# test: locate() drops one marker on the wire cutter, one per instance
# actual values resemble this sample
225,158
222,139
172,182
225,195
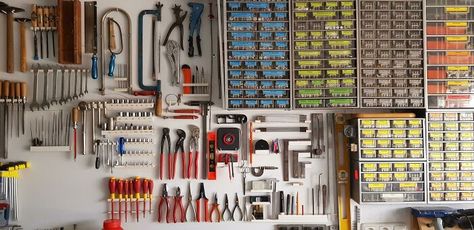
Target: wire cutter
215,208
237,208
179,147
164,200
193,150
226,209
178,23
178,205
189,206
195,27
201,198
165,139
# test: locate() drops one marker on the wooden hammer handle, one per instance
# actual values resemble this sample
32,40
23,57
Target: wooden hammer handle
10,54
23,65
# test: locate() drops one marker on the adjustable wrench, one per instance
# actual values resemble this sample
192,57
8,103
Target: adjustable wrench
75,85
63,80
55,77
45,103
34,104
69,98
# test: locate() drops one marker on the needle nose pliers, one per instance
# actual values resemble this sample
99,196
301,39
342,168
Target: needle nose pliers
189,206
178,23
215,208
165,139
238,209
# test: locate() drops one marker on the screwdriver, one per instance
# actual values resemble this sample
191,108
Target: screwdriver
18,97
150,190
145,196
112,195
12,98
137,185
23,91
126,198
75,119
120,192
130,186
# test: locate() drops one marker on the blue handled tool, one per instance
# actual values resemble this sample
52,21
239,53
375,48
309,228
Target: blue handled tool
195,27
121,148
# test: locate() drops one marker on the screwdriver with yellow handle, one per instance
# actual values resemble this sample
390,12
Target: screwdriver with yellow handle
136,187
150,192
120,192
112,195
145,196
75,119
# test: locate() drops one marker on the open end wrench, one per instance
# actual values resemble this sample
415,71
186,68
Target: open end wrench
63,80
54,101
75,97
87,78
69,98
83,108
81,92
34,104
45,104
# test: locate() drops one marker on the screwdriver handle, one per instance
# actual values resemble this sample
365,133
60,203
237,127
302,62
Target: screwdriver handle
46,16
150,187
145,189
186,111
75,115
39,13
23,90
94,71
120,188
112,187
1,88
17,90
6,89
125,185
52,17
12,90
158,105
137,185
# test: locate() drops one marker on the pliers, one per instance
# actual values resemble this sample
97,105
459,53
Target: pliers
237,208
179,146
178,205
215,208
189,206
195,26
226,209
202,196
165,139
164,200
193,150
178,23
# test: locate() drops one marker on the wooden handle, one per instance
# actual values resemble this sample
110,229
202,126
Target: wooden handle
52,16
1,88
12,90
6,89
17,89
23,65
385,115
23,90
75,115
112,44
46,16
158,105
34,16
39,12
10,54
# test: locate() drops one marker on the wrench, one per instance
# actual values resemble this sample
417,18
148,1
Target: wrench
55,77
45,103
81,92
63,80
34,104
69,98
75,85
85,90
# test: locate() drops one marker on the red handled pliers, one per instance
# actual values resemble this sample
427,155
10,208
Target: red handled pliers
202,196
215,208
178,205
165,139
179,147
164,201
193,150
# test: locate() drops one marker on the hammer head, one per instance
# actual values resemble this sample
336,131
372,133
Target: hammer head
22,20
10,9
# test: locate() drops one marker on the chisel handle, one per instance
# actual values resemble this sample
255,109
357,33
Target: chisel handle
6,89
159,105
17,90
34,17
23,90
12,91
94,70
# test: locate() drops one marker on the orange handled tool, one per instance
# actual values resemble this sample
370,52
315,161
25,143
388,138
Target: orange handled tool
126,198
202,196
112,195
120,193
145,196
136,186
150,192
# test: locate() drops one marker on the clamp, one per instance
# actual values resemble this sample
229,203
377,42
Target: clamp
178,23
164,201
165,139
179,147
195,27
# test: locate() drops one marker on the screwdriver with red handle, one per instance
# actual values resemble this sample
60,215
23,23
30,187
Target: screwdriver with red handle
145,196
120,193
126,198
150,192
130,186
136,186
112,195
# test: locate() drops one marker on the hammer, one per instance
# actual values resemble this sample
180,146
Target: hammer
9,11
23,21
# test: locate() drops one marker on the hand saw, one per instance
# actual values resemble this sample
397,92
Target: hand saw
90,34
